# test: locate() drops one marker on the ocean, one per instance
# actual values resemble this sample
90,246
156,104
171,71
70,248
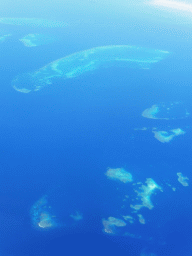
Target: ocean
95,128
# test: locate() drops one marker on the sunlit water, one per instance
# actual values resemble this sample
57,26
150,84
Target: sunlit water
95,128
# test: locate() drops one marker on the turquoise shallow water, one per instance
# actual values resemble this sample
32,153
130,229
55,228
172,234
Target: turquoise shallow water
95,128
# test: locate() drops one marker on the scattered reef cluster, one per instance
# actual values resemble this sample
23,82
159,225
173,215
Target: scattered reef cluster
167,112
142,196
135,204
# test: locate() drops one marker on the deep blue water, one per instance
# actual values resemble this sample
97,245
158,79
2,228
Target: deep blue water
60,140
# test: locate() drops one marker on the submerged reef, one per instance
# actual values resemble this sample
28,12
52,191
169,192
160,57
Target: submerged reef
32,40
42,216
182,179
111,223
4,37
141,218
145,192
119,174
128,218
81,62
164,136
166,111
129,212
33,22
77,216
151,112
